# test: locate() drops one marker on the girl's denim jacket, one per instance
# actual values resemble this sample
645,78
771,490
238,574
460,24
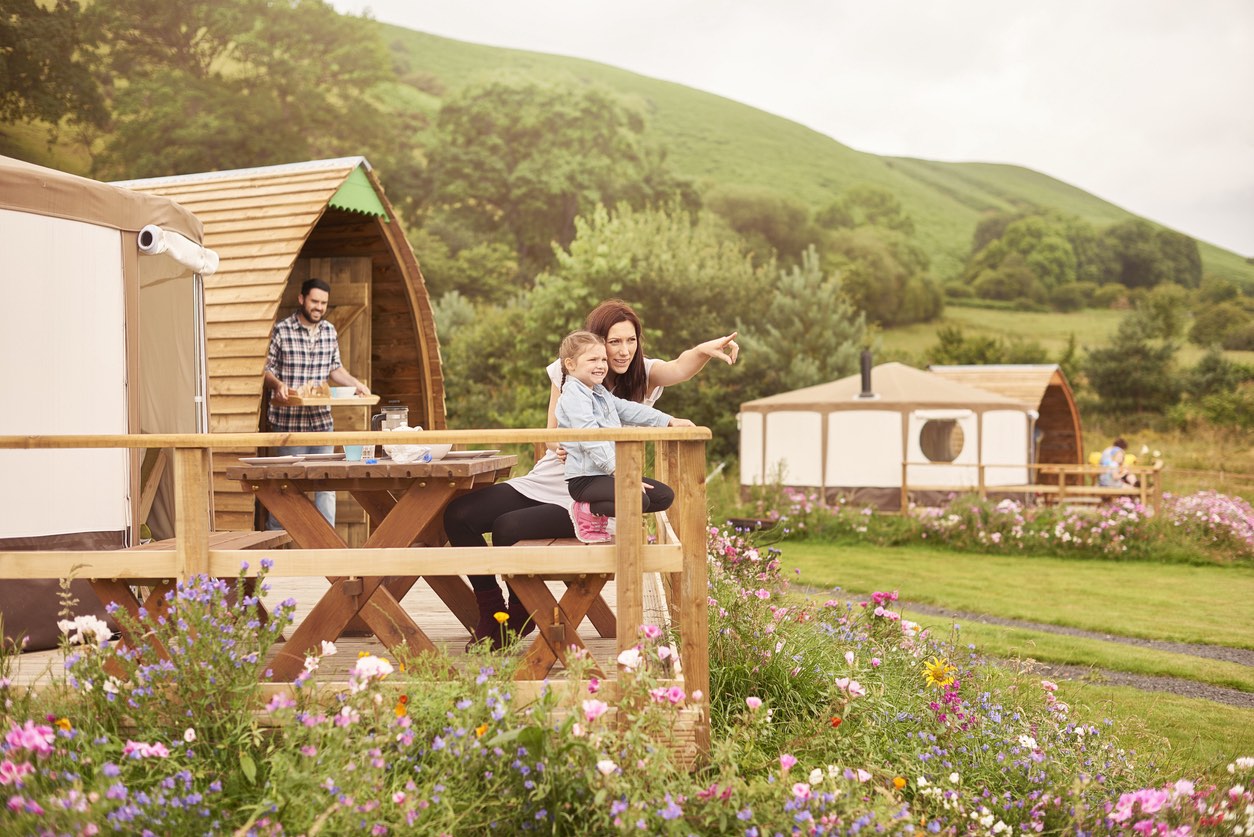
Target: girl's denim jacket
582,407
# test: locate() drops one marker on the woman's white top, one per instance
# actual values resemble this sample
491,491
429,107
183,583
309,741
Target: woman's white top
546,483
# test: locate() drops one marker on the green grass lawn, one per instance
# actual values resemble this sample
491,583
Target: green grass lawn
1176,603
1154,601
1052,330
1190,737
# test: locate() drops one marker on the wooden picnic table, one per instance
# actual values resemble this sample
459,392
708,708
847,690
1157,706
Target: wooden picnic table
405,503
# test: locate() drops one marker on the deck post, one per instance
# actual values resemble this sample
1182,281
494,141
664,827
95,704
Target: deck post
694,593
628,474
191,510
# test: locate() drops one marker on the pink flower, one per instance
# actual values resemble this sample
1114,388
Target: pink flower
801,790
11,773
754,703
675,695
143,750
651,631
786,761
594,686
849,657
875,662
36,738
593,709
281,700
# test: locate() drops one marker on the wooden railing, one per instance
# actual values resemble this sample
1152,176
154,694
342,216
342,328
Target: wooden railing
1053,482
679,553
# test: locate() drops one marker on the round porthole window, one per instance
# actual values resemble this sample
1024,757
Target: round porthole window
941,440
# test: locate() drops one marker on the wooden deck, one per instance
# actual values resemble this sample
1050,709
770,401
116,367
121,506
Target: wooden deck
40,668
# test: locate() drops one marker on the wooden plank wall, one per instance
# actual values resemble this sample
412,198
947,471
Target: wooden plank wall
260,222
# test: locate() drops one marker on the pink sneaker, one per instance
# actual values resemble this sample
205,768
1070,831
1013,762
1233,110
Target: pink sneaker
589,527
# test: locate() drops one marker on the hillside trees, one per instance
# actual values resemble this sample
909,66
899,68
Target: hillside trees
868,238
687,278
517,161
773,225
1029,259
42,73
1142,255
809,333
1135,372
206,86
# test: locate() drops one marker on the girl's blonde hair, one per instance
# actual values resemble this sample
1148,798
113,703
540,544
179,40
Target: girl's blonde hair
575,344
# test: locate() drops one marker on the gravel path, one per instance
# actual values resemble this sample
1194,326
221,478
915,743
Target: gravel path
1171,685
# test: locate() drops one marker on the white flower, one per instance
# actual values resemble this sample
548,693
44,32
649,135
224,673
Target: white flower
110,686
816,776
80,628
1027,741
955,778
922,782
189,735
630,659
328,648
368,668
606,767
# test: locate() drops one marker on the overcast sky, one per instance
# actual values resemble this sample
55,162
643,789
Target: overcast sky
1146,103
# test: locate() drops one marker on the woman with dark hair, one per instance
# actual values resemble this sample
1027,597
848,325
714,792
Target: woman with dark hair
537,505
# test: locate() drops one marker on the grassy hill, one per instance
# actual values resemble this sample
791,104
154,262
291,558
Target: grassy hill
719,141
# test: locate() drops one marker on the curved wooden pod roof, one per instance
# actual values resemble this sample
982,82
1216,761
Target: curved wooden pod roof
1040,386
267,225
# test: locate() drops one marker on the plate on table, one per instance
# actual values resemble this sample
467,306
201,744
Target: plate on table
470,454
322,457
273,460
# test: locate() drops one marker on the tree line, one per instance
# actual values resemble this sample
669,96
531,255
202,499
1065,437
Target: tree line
527,202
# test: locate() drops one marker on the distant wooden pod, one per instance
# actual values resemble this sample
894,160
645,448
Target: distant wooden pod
274,227
1040,386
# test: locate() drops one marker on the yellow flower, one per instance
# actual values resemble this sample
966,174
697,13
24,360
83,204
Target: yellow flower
481,730
402,706
938,672
899,782
501,617
64,724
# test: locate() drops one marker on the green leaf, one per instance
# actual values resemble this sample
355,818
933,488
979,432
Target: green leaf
249,767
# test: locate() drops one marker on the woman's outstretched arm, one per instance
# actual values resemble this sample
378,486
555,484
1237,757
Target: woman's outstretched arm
693,360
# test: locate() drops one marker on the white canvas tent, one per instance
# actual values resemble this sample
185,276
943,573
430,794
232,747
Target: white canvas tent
838,440
104,335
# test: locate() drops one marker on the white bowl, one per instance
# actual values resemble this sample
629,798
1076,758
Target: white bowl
343,392
438,451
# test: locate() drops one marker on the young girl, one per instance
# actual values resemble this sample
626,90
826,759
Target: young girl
585,402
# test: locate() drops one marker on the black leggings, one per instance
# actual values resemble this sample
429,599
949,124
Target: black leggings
598,493
508,515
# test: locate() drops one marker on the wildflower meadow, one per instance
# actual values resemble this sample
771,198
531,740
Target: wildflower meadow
828,717
1205,526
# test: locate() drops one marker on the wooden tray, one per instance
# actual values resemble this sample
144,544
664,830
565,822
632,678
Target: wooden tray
328,401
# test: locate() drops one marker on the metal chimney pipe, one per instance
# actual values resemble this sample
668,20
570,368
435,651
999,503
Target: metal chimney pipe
866,375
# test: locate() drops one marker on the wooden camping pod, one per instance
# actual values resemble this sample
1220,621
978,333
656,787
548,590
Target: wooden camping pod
1039,386
272,228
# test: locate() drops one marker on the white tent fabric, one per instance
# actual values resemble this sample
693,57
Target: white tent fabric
101,339
66,379
827,437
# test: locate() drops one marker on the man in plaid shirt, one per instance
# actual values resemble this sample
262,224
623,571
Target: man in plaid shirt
305,349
